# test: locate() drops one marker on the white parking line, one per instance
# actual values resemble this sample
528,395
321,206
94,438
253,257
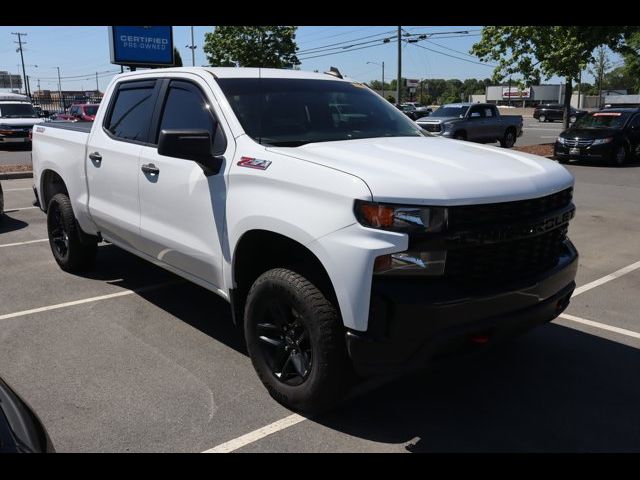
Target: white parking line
87,300
607,278
18,209
291,420
24,243
258,434
603,326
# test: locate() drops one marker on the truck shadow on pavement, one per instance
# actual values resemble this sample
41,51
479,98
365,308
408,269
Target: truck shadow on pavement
553,390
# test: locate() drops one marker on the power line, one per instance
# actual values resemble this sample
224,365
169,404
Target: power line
336,35
337,53
344,42
453,56
453,50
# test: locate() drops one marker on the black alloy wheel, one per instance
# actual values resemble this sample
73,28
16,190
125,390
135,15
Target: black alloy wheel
58,235
285,343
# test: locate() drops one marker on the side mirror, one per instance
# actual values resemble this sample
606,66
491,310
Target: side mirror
192,145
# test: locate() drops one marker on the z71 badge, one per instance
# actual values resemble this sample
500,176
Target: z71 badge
254,163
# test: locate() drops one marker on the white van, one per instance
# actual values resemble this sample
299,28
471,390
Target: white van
17,118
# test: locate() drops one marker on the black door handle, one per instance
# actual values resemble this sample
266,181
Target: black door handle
95,156
150,168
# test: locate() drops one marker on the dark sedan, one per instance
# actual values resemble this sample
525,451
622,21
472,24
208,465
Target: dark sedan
549,112
611,135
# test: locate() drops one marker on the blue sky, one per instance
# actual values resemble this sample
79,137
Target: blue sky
83,50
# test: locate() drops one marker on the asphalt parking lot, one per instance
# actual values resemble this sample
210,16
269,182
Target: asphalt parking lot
131,358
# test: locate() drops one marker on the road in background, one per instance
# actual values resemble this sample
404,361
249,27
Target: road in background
14,156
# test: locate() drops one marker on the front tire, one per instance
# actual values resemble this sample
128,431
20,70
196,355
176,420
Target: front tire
73,250
460,136
296,341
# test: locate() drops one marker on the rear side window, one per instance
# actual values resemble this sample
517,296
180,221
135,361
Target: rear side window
131,112
186,109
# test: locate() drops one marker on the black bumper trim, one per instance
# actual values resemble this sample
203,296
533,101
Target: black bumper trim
412,323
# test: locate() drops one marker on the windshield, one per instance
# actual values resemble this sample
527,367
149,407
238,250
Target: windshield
17,110
602,120
291,112
450,111
90,109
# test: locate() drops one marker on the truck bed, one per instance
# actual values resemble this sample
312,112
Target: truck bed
75,126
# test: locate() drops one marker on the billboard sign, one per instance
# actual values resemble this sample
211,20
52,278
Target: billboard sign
141,46
412,83
515,92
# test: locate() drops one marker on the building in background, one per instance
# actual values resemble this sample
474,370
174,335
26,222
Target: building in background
10,81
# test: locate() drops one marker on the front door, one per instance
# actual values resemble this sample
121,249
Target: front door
182,208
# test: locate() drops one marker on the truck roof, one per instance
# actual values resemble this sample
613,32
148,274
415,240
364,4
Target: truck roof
246,72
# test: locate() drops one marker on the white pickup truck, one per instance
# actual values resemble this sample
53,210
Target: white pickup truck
345,239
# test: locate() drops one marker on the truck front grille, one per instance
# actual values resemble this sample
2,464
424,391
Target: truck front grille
504,261
431,127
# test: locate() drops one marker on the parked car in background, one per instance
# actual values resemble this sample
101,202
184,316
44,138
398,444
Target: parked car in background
62,117
550,112
476,122
84,112
612,135
411,111
420,108
21,431
17,118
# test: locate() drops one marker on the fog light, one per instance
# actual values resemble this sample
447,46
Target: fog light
426,263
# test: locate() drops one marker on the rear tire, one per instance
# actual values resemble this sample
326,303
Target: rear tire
620,156
73,250
296,342
542,118
509,139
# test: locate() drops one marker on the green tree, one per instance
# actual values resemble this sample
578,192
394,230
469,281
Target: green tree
620,79
631,56
599,68
252,46
536,51
177,59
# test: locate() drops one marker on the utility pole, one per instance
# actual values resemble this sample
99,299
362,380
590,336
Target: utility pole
60,90
399,79
97,85
579,87
28,87
19,42
193,49
383,80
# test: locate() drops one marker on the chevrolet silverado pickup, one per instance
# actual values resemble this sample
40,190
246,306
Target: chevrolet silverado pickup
347,244
475,122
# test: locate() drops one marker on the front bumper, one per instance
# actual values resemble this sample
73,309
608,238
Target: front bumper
415,321
593,152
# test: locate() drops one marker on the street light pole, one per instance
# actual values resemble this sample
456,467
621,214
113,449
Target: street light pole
375,63
193,50
399,79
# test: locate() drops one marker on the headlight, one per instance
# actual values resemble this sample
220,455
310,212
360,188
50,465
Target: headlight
447,126
561,140
602,141
401,218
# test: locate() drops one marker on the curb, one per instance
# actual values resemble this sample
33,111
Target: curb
15,175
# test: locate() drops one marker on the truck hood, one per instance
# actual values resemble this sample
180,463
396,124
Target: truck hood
21,122
437,171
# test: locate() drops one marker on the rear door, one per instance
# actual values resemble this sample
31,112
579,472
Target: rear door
476,124
113,153
183,208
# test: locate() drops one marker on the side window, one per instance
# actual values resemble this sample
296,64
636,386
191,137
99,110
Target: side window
488,112
131,112
476,112
186,108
